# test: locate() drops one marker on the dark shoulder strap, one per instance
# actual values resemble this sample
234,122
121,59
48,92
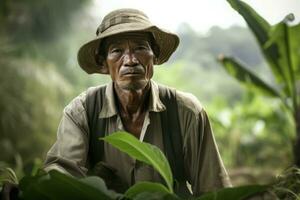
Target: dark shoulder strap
94,102
171,132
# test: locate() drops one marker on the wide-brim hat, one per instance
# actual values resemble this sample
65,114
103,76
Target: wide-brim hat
122,21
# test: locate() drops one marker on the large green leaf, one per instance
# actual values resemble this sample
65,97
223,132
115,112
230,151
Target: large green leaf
261,30
141,187
155,196
258,25
281,38
58,186
144,152
247,77
294,36
294,32
236,193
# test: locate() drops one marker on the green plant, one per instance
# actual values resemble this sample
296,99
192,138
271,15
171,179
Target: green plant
280,45
55,185
8,175
153,156
287,185
144,152
58,186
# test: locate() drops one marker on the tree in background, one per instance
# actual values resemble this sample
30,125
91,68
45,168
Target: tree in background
280,45
31,88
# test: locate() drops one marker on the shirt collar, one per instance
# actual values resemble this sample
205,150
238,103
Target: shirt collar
109,108
155,104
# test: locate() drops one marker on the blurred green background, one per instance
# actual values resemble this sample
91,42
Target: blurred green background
39,75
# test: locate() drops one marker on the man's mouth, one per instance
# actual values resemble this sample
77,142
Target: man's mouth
132,71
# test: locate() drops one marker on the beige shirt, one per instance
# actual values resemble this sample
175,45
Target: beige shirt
204,169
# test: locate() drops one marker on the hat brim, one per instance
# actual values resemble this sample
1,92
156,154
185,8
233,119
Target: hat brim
166,41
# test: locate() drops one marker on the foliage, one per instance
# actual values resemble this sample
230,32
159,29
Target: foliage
144,152
26,100
152,155
148,187
246,76
287,185
36,21
8,175
280,45
242,192
275,43
55,185
247,127
248,135
32,90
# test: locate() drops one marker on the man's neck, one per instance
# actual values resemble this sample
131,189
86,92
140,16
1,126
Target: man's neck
132,103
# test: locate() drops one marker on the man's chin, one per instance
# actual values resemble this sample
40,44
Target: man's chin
137,85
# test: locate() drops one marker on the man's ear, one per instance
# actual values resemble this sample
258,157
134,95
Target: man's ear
155,60
155,50
104,68
101,64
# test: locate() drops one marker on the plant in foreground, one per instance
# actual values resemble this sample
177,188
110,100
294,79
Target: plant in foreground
57,186
287,185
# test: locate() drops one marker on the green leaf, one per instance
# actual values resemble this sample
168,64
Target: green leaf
281,38
294,32
261,30
258,25
247,77
236,193
8,175
144,152
146,187
155,196
280,45
58,186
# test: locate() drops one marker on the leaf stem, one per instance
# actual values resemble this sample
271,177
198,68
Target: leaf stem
293,83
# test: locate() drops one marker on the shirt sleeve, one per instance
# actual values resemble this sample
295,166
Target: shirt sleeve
204,168
69,152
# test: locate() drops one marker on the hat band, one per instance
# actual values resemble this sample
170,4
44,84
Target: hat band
120,20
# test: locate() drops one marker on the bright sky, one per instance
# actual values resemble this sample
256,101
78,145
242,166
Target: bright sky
200,14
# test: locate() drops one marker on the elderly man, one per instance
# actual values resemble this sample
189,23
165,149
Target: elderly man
127,47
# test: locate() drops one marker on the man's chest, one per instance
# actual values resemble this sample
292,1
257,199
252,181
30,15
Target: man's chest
129,170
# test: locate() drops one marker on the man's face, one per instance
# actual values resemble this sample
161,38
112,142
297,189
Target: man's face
129,60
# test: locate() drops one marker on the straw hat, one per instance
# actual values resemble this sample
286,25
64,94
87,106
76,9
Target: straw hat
121,21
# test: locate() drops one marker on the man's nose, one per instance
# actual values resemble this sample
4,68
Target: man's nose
130,58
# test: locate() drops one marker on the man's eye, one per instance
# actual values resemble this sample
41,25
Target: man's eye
141,48
116,50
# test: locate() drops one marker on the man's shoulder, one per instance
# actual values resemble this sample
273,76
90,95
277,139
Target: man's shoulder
94,89
186,101
77,104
